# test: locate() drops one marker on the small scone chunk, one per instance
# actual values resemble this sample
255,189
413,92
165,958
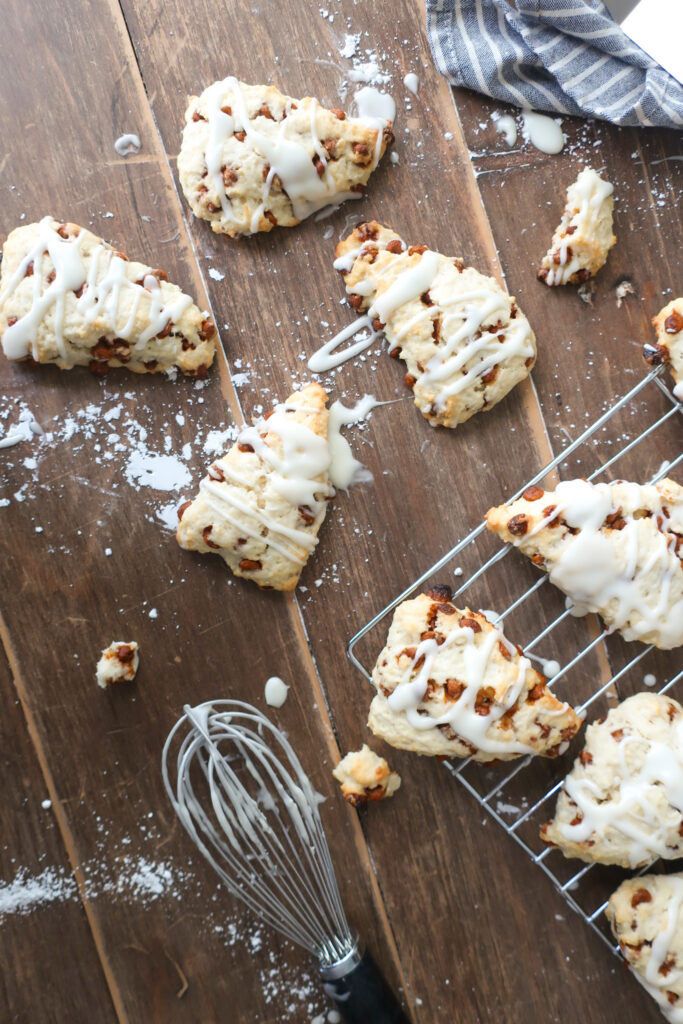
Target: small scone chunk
260,506
622,802
584,236
364,775
450,684
614,549
252,158
463,338
646,916
669,345
67,297
118,663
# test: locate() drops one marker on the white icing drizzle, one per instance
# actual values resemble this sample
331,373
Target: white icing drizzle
542,132
223,496
275,692
584,199
127,145
629,810
344,468
288,158
295,473
657,984
505,126
589,571
327,357
408,285
411,82
462,317
305,457
462,716
104,281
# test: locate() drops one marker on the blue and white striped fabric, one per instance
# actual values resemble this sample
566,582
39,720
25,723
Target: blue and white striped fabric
562,56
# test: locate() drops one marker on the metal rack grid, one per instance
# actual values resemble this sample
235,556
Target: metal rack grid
533,782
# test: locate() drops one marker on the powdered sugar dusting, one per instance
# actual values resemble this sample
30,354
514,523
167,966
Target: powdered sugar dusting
25,892
145,468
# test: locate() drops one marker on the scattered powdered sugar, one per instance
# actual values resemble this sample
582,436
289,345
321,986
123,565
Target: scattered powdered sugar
216,275
26,429
349,47
161,472
217,441
24,893
150,452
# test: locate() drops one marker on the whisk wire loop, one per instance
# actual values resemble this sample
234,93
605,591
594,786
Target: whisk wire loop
243,797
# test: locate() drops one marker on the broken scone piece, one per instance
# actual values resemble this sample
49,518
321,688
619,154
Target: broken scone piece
584,236
260,506
464,340
118,663
646,916
622,802
669,345
614,549
449,683
67,297
252,159
364,775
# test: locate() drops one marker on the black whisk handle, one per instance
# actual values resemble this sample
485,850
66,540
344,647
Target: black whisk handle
362,995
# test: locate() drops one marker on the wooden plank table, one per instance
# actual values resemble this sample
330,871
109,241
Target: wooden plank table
105,910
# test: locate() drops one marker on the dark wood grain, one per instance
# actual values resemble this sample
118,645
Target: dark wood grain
88,561
41,919
452,907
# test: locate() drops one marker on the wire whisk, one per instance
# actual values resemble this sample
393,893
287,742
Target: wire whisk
241,793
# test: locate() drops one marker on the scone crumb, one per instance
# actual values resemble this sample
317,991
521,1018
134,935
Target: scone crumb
584,236
364,775
118,663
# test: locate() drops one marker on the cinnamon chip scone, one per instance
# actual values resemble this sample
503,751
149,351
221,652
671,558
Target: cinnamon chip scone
614,549
584,236
449,683
646,916
67,297
118,663
261,505
669,345
622,802
252,158
364,775
463,338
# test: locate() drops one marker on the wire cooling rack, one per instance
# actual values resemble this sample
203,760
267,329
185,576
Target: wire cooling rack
520,798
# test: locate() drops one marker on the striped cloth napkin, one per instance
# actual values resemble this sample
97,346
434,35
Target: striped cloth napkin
561,56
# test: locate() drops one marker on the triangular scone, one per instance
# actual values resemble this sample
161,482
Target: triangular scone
449,683
67,297
669,345
260,506
584,236
622,802
614,549
646,916
463,338
252,159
